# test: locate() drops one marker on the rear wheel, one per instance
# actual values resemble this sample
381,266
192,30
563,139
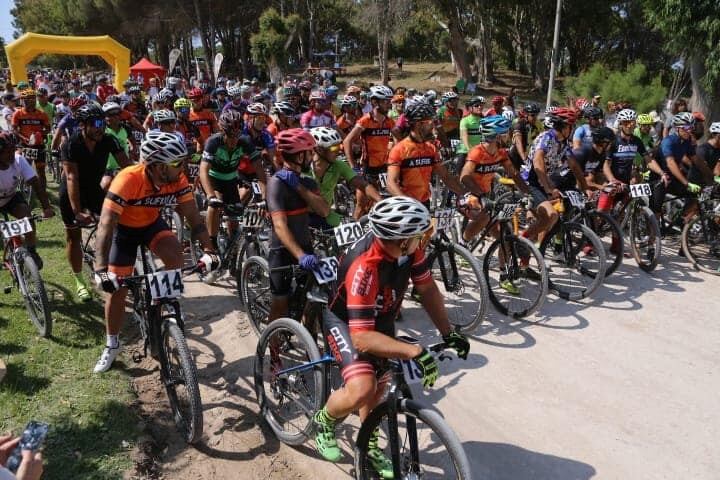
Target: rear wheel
35,296
645,238
255,281
611,237
701,243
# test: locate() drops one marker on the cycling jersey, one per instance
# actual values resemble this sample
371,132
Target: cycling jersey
261,140
104,91
371,285
344,125
486,165
528,131
648,139
708,154
676,147
471,125
10,178
375,140
190,134
138,201
49,110
68,125
281,199
30,125
203,121
224,164
590,160
584,134
556,153
121,135
416,161
450,120
312,119
240,107
335,172
621,156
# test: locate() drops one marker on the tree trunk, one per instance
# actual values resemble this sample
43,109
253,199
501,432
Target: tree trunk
457,47
311,31
243,53
701,100
205,36
539,65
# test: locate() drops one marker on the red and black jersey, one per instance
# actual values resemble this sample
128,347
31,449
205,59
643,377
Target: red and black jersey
372,285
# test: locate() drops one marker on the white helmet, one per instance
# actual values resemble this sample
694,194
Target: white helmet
325,137
683,119
256,109
414,100
162,147
431,95
109,107
398,218
508,114
381,92
626,115
714,127
449,96
233,91
164,115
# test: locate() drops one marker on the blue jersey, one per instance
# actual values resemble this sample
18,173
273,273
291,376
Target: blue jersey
676,147
261,140
584,134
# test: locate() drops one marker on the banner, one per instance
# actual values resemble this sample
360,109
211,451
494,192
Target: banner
172,60
217,63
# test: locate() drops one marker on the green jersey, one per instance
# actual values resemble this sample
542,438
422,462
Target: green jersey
122,138
337,170
49,110
470,124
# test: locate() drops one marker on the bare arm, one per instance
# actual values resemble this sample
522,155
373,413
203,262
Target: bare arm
539,166
468,180
198,230
315,201
434,304
41,192
123,159
136,125
393,180
519,182
359,183
103,240
383,346
73,185
57,139
577,171
452,182
675,170
607,171
347,144
703,167
464,138
518,142
204,174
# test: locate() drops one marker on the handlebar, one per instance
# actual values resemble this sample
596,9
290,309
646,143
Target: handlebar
135,279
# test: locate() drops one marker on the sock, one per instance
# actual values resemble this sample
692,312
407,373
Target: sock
325,418
79,279
113,341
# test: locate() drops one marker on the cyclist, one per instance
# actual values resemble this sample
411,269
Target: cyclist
373,276
200,116
85,157
164,99
708,152
130,217
328,170
398,106
190,131
219,174
44,105
645,131
374,130
413,160
68,125
317,115
592,159
450,115
284,117
525,129
114,128
255,129
289,197
348,118
469,130
31,126
292,94
104,89
583,133
14,169
497,103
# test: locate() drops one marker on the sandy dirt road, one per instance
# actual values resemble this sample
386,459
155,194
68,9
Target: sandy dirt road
623,386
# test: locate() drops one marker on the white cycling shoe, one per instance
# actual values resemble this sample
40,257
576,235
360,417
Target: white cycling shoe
106,359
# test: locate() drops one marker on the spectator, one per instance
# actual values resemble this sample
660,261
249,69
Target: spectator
31,467
399,63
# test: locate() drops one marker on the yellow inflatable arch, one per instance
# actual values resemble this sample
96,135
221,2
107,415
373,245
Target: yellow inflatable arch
23,50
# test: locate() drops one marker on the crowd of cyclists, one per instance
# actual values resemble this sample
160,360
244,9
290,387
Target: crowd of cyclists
127,155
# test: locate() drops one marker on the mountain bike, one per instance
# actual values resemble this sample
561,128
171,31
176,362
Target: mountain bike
25,273
156,311
701,235
640,226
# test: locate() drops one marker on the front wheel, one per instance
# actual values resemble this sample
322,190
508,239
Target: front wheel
255,291
645,239
701,243
289,379
427,447
178,372
34,294
610,234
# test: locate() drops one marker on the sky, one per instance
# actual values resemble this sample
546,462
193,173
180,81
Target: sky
6,29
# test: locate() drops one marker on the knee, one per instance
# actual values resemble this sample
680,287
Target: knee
361,391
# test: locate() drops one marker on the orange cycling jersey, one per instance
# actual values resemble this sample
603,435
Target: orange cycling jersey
486,165
416,161
376,138
31,124
450,119
134,197
203,121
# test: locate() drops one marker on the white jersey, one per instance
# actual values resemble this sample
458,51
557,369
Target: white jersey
10,178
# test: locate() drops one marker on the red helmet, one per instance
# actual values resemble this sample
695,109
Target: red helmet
76,102
581,103
497,100
195,93
698,116
294,140
562,116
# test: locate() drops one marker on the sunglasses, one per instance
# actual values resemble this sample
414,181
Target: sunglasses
686,128
176,163
334,148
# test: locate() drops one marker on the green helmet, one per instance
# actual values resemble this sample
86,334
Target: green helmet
645,119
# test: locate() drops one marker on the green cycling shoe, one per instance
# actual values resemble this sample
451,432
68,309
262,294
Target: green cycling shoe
378,460
325,441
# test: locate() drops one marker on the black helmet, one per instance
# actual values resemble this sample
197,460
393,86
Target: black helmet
531,109
88,112
419,111
230,120
602,134
475,101
592,112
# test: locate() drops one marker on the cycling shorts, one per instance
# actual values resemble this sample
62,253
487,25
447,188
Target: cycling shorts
660,190
228,190
91,201
280,281
126,240
538,196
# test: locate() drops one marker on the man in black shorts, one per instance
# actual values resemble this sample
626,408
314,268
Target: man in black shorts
84,158
290,197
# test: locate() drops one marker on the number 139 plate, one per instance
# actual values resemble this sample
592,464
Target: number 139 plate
326,270
165,284
17,227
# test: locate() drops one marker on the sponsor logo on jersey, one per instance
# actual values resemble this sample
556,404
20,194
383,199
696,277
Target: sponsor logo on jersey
487,168
361,282
417,162
376,132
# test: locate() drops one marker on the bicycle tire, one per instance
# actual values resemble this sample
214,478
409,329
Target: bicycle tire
35,295
560,284
88,249
702,231
507,307
473,270
254,287
188,420
316,375
454,455
647,261
611,236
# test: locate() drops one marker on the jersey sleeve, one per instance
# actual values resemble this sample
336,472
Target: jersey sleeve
25,169
361,287
474,155
275,196
121,189
184,194
666,147
252,152
579,133
395,157
305,119
346,172
268,140
114,144
210,149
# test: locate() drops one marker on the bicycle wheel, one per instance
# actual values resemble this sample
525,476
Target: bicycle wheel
459,277
520,263
177,367
344,200
701,243
575,260
645,239
288,400
434,453
255,281
34,294
608,231
88,249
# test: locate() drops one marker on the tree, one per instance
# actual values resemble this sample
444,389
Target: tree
3,55
270,44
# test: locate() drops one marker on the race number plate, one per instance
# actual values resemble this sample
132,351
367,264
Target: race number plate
640,190
454,144
411,372
576,199
165,284
17,227
382,178
348,233
193,170
30,154
326,270
443,219
508,210
252,218
256,188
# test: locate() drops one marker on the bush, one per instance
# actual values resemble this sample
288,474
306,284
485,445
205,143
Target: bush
633,85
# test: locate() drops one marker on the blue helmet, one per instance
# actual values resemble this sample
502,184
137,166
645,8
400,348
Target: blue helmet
495,125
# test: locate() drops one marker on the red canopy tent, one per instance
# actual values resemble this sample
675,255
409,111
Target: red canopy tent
148,70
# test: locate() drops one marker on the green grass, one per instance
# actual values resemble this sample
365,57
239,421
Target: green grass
51,380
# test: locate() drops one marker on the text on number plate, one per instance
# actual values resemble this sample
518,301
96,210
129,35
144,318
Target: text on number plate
640,190
348,233
326,270
165,284
411,372
443,218
17,227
